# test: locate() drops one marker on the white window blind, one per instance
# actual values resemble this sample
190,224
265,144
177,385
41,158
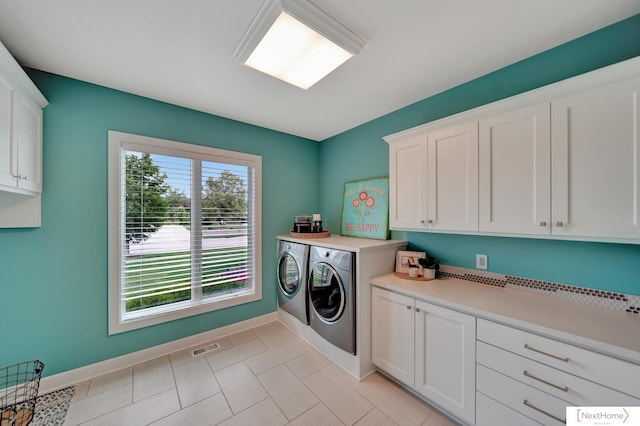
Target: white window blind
187,233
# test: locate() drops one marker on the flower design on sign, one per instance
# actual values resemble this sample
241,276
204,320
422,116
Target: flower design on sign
363,205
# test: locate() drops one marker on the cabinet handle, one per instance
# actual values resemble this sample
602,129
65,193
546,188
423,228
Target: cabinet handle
562,388
559,224
543,223
430,221
530,405
409,307
422,221
417,310
565,359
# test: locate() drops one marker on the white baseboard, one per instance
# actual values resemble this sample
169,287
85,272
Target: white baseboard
81,374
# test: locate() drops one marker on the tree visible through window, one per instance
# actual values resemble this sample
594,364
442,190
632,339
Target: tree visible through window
187,230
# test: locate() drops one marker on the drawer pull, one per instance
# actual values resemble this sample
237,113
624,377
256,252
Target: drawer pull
565,359
530,405
562,388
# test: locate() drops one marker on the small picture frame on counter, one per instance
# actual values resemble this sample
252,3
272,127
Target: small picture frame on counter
404,260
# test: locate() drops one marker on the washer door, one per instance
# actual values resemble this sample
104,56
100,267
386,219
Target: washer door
326,292
289,275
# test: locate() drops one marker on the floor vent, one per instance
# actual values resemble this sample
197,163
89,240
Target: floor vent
209,348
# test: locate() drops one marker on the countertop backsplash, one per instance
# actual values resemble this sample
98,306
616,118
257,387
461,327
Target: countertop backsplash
569,292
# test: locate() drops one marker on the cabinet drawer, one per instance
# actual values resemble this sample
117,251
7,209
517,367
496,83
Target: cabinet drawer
575,390
610,372
491,413
529,401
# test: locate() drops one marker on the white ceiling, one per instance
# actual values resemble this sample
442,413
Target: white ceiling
181,51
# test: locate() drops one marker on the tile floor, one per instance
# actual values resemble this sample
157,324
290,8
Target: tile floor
262,376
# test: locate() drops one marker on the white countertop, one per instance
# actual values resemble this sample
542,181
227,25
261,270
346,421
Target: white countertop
344,243
608,331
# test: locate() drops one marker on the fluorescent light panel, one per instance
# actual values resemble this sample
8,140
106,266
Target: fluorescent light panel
296,42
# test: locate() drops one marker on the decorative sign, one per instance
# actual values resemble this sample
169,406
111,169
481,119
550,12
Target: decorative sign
365,209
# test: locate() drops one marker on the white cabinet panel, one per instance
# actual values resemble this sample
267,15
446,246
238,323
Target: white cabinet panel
529,401
445,358
515,171
408,183
452,179
392,325
28,144
429,348
6,153
491,413
596,160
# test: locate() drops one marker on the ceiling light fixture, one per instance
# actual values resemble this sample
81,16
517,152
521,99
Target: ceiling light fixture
295,41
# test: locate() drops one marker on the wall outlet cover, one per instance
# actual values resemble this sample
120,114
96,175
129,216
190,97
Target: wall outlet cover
481,261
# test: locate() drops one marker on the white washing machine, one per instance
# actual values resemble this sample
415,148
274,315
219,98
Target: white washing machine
293,261
332,296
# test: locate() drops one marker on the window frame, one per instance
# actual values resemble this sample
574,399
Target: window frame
118,142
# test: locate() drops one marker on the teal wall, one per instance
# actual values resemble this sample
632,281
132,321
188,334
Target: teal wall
53,279
362,153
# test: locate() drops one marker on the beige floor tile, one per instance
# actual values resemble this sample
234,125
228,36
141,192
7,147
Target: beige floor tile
274,334
235,354
376,417
338,396
242,337
110,381
210,411
95,406
319,415
308,363
240,386
195,381
265,413
274,357
181,357
141,413
287,391
339,373
438,419
152,377
395,402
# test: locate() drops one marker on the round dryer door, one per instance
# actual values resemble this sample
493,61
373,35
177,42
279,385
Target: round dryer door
326,292
288,274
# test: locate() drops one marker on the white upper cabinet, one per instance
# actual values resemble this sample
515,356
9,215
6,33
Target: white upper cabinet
515,171
562,161
21,105
596,162
408,187
6,154
452,178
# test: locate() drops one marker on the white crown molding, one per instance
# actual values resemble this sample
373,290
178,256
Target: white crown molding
304,11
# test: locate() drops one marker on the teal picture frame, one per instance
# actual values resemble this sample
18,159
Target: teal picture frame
365,208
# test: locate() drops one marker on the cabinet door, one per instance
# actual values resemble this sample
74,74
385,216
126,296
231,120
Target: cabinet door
515,171
445,359
596,162
408,183
28,144
392,327
6,153
452,181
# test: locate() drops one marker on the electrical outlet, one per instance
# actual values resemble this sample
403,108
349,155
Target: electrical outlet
481,261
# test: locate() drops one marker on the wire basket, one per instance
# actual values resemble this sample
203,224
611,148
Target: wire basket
18,392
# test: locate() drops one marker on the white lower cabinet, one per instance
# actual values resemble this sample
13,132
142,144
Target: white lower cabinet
539,377
428,348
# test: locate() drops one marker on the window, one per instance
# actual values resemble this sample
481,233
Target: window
184,230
